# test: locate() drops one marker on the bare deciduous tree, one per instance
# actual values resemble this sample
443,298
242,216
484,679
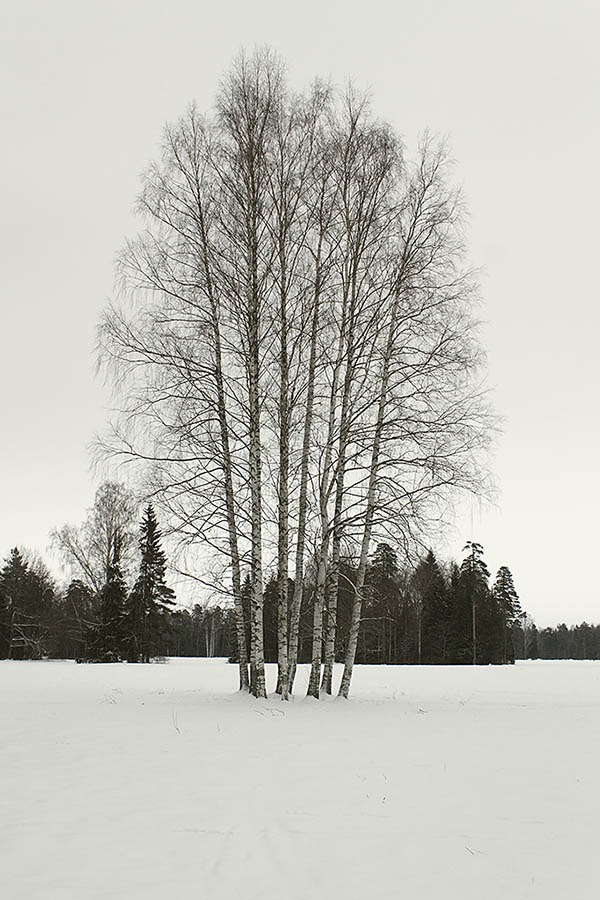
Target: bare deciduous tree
88,549
297,370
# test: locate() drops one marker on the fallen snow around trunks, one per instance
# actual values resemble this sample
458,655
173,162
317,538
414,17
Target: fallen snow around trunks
121,781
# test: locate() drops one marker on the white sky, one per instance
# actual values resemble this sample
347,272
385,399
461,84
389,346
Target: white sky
86,89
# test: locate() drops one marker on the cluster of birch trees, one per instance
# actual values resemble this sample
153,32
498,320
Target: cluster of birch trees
297,359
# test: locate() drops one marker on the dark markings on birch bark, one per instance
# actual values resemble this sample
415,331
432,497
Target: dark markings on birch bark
370,511
244,683
303,494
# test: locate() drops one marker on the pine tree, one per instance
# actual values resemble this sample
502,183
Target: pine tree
385,561
151,598
474,580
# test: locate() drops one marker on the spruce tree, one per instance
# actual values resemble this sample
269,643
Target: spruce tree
107,639
381,595
151,598
429,583
13,589
507,600
459,631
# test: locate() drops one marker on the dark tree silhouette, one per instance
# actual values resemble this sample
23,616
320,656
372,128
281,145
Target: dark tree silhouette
474,581
151,598
507,599
108,638
436,612
13,593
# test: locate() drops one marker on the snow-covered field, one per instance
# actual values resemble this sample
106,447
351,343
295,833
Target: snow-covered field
121,781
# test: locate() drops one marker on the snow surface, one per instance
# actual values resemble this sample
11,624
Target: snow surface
153,781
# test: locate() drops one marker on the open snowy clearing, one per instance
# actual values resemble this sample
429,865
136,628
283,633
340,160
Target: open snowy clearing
121,781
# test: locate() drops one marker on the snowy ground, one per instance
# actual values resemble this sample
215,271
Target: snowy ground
158,781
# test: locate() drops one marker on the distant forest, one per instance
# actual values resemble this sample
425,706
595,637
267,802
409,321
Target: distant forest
421,615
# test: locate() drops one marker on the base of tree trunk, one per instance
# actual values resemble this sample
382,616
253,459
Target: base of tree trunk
315,678
326,682
291,678
345,685
244,679
258,685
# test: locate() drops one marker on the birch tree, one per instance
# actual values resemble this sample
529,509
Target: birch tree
176,339
428,417
367,155
296,369
298,151
89,548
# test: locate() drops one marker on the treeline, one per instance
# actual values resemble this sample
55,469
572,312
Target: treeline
120,607
101,621
430,614
575,642
398,627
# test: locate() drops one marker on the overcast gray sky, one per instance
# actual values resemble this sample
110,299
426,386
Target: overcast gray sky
86,89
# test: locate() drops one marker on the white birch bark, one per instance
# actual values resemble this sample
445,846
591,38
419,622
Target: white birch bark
322,259
227,466
269,315
369,514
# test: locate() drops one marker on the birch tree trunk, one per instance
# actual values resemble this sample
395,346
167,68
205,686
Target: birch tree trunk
333,582
424,242
248,106
283,518
332,597
307,433
336,475
303,497
366,162
227,466
326,477
369,512
317,635
258,683
304,476
292,188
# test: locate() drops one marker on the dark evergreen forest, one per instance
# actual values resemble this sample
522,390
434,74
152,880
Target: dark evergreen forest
426,614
